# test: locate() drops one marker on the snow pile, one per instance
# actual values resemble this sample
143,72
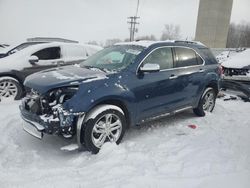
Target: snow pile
164,153
238,60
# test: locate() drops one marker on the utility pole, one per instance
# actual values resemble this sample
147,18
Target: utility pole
132,21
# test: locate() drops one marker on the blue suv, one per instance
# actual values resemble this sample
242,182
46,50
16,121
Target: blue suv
120,86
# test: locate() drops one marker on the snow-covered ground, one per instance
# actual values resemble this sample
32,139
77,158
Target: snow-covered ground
164,153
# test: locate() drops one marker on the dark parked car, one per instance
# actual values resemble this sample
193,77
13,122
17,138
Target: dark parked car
120,86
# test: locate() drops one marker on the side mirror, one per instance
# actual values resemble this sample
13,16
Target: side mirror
33,59
150,68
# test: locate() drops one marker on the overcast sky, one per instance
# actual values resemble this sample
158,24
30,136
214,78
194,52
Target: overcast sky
87,20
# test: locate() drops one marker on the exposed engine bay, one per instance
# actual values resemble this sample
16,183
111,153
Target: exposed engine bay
48,111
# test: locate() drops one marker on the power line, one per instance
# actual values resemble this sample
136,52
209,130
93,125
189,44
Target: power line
137,8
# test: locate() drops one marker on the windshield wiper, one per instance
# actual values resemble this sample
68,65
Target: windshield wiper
93,68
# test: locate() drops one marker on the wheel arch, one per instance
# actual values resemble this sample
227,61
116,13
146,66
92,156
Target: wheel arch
116,102
16,79
13,76
82,120
213,84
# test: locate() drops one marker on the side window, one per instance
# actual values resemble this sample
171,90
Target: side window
162,57
199,59
186,57
48,53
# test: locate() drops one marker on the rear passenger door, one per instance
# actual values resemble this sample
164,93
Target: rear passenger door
190,73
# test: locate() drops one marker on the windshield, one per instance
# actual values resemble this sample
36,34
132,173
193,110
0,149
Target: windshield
113,58
22,46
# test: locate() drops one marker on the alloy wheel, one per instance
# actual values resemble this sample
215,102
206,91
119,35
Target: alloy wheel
106,128
209,101
8,89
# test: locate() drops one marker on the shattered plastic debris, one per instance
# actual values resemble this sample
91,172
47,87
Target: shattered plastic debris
192,126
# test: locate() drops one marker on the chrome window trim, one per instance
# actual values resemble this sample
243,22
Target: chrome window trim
137,70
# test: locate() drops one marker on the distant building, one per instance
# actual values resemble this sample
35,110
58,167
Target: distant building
213,22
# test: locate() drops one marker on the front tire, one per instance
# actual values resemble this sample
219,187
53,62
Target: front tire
206,103
10,88
108,126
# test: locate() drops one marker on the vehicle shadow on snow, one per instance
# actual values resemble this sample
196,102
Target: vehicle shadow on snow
54,144
166,121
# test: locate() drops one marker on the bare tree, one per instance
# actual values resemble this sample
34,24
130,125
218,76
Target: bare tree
146,37
110,42
238,35
171,32
127,40
93,42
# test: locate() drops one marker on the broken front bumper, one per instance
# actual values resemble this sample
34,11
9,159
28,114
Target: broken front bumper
61,123
36,127
33,128
32,123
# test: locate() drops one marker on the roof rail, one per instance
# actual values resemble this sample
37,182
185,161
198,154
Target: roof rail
189,42
50,39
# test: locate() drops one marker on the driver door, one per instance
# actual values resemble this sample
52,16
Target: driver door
157,92
47,58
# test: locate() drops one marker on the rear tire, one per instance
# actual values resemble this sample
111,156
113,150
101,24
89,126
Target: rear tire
108,126
206,103
10,88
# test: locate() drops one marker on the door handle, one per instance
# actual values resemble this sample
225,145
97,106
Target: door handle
201,70
60,63
173,77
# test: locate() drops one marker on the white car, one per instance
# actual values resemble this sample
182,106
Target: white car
17,66
237,67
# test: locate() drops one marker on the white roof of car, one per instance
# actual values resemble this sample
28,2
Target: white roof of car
50,44
238,60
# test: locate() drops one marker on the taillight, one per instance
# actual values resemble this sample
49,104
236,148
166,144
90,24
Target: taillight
220,70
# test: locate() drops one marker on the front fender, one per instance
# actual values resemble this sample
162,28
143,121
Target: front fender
93,93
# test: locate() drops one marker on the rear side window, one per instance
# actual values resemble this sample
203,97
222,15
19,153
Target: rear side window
199,60
162,57
48,53
210,59
186,57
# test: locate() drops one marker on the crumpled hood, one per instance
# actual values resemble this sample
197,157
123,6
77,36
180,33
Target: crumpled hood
59,77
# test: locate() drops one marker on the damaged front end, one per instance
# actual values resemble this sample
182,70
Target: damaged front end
46,114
